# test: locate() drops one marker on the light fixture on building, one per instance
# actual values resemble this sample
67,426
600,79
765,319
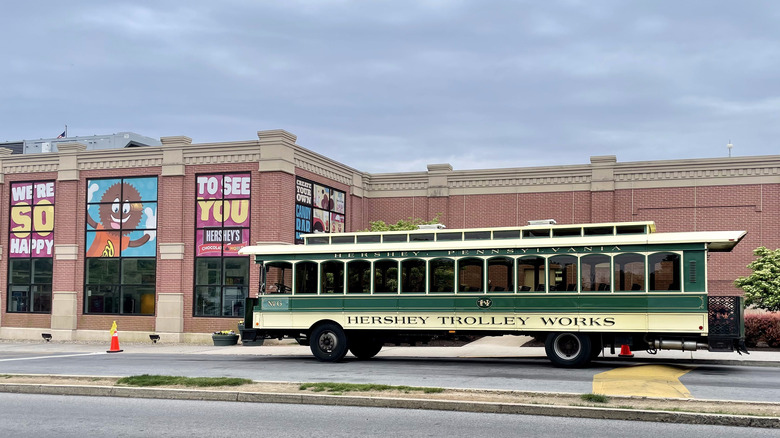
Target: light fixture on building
154,338
46,336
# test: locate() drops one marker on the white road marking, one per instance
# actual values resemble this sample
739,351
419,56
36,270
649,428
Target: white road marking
49,357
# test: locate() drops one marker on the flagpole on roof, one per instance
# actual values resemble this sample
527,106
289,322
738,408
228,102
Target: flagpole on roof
66,131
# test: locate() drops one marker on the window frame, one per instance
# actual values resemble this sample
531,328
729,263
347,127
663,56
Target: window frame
118,296
224,287
29,297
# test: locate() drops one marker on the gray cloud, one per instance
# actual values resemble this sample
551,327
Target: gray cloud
393,85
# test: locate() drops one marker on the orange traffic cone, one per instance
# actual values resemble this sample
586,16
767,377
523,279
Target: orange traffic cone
625,351
114,340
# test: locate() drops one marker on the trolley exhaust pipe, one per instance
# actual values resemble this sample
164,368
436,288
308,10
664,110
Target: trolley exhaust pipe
679,345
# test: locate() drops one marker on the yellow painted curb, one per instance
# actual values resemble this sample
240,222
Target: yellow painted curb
643,381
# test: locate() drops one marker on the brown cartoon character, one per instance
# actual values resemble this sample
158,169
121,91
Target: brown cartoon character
120,212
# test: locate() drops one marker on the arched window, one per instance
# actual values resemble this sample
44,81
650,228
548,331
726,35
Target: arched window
563,273
413,276
358,277
278,278
386,276
332,277
595,272
306,278
629,272
470,275
664,271
530,274
500,274
442,275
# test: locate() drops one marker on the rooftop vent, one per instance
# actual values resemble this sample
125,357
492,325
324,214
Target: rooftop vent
109,141
543,222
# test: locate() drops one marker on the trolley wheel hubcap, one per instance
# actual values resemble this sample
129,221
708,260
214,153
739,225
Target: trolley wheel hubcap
567,346
328,342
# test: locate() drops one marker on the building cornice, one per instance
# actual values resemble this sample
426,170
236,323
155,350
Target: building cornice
604,173
315,163
276,150
222,153
699,172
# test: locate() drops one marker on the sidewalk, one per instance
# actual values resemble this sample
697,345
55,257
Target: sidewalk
499,347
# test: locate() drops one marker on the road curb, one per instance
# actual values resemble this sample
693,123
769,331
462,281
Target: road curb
400,403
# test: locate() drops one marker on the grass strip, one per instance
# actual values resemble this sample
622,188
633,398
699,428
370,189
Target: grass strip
594,398
364,387
158,380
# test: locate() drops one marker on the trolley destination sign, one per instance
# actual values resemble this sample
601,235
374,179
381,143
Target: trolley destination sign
473,252
487,252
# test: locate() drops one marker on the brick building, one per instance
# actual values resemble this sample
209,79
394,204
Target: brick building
148,236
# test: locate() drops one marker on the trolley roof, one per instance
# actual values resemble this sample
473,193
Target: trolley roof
535,236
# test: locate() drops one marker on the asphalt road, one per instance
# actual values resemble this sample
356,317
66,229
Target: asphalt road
45,416
719,382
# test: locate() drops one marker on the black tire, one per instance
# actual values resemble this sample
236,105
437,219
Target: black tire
328,343
365,348
569,350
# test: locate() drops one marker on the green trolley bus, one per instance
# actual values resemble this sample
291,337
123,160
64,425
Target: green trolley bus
581,288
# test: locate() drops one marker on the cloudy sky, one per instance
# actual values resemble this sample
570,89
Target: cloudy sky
395,85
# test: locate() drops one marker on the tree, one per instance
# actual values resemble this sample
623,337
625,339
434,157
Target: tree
762,287
403,224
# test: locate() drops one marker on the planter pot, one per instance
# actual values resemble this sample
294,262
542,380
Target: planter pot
224,340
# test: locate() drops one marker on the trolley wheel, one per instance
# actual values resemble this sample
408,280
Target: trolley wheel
365,348
328,342
568,349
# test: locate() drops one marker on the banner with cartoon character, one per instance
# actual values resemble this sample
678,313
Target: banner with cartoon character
122,217
222,213
32,219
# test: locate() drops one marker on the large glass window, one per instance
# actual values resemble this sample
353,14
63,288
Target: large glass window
413,275
470,275
595,272
221,285
664,271
530,274
31,242
29,285
222,225
500,273
121,246
318,209
442,275
563,273
629,272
